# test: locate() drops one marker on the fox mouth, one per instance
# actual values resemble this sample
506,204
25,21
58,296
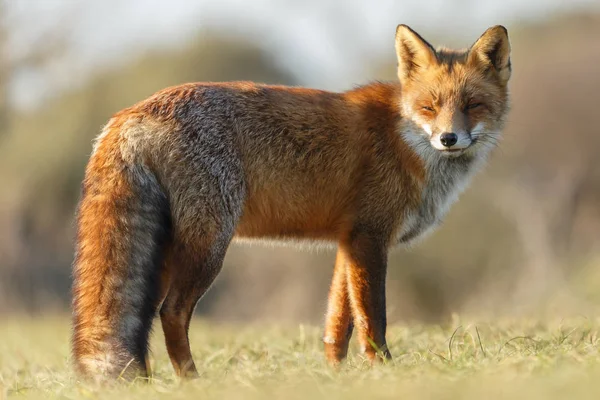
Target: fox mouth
450,152
453,153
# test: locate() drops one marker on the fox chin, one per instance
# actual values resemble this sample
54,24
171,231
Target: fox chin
175,178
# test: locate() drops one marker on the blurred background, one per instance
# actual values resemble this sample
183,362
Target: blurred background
525,238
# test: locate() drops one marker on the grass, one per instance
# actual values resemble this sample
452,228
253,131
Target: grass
507,359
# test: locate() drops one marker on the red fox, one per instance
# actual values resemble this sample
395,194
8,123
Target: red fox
175,178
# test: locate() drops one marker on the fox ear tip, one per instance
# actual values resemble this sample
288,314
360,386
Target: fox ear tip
403,28
498,28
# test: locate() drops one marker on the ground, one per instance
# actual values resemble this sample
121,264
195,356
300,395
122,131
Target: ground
494,359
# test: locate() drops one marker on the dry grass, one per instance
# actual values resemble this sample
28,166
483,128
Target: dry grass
485,360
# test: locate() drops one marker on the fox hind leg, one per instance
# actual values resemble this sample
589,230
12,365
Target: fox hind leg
207,193
192,266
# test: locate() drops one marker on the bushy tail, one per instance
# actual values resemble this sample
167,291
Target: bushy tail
123,222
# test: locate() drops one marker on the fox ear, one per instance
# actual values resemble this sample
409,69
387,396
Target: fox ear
492,49
413,52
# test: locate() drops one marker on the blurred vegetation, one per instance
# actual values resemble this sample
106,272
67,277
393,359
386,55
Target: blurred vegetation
525,233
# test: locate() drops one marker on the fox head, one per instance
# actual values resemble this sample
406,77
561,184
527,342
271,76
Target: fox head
454,102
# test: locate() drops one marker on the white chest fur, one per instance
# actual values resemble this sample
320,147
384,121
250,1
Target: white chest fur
445,180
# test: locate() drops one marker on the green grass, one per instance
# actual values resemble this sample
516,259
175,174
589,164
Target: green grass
508,359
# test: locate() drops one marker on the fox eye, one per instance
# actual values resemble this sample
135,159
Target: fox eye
473,105
428,108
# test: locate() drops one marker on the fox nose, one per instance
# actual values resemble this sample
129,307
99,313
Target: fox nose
448,139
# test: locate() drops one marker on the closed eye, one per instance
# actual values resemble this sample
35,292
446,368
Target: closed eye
427,108
474,105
